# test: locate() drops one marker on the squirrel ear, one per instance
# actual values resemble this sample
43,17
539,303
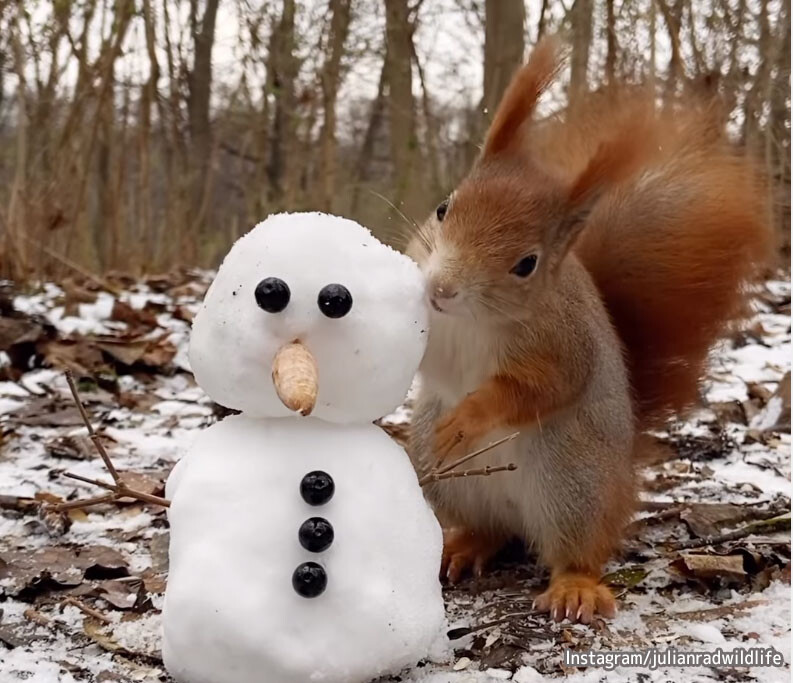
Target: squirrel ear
520,98
614,161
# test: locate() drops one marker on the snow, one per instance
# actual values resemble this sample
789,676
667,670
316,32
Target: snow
235,513
656,613
367,358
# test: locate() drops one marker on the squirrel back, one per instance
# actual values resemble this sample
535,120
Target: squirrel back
674,250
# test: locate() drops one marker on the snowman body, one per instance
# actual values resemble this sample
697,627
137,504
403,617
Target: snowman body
269,582
231,612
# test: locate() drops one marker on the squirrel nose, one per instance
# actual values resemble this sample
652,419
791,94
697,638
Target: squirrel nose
444,292
440,294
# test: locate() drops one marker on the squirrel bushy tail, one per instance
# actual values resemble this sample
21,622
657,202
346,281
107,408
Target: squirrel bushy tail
674,250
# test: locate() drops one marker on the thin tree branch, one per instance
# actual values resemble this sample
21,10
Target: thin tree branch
118,489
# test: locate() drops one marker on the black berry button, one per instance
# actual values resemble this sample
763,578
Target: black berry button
272,294
317,488
335,301
315,534
309,580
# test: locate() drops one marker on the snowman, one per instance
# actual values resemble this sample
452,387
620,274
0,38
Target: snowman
301,545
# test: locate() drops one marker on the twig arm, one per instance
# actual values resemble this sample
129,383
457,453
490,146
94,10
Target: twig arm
118,489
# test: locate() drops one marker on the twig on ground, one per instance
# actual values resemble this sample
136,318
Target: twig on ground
85,609
85,502
463,631
91,433
434,473
774,524
118,489
43,620
19,503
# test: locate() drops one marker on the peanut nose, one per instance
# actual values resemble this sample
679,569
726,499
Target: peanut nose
295,377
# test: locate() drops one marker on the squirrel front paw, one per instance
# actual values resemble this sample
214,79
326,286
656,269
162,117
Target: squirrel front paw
451,437
457,432
577,597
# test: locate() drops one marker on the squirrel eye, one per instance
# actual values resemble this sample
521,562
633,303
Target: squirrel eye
525,266
440,212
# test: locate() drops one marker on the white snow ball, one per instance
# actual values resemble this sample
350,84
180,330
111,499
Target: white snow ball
355,303
232,613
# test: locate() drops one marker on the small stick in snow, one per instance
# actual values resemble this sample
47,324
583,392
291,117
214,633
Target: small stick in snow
457,633
85,609
91,433
85,502
778,523
118,489
433,474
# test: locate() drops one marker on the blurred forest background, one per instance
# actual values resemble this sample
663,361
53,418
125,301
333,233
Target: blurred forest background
146,135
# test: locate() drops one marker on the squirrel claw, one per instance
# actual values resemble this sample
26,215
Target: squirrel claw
450,438
576,597
465,549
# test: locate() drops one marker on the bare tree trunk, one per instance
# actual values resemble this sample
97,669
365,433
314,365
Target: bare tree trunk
779,128
339,28
15,247
281,75
148,98
673,17
401,113
431,125
755,98
734,78
504,47
541,19
611,44
367,147
653,49
199,82
581,21
109,53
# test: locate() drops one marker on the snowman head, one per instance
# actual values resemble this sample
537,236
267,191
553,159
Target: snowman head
309,313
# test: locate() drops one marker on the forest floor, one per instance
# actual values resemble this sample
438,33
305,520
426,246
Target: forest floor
706,566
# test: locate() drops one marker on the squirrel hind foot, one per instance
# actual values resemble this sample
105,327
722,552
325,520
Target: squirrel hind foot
576,596
464,549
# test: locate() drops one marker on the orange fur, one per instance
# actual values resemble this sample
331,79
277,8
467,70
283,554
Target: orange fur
673,269
521,97
463,548
647,227
533,390
673,250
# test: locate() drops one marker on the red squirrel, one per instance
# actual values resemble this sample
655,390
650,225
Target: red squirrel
579,275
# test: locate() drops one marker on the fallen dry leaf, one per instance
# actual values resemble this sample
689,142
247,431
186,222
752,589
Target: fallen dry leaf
72,447
722,568
21,570
134,317
708,519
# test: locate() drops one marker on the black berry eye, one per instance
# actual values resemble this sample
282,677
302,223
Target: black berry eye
440,212
272,295
335,301
525,266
